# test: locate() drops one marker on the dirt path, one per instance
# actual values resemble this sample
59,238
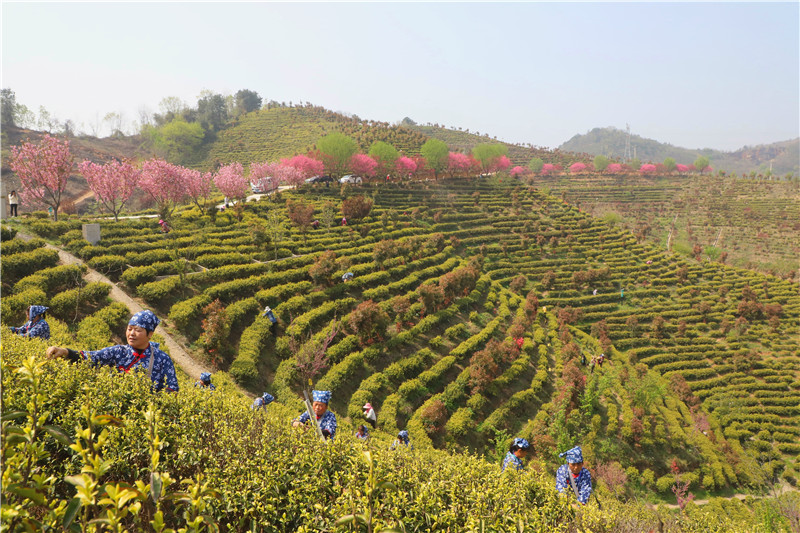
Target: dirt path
176,350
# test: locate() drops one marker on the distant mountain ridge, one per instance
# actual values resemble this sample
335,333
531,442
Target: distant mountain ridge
784,156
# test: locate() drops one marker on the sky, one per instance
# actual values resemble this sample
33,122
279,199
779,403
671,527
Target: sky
697,75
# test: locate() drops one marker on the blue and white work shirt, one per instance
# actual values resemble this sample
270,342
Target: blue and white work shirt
327,422
125,358
583,482
40,329
512,461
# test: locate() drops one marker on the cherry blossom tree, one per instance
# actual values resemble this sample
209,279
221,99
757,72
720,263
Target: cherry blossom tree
164,183
518,171
647,168
681,168
112,183
575,168
498,164
198,186
307,166
289,175
230,180
363,165
614,168
547,168
458,163
405,166
43,169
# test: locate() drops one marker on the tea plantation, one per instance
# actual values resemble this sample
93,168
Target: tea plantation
476,313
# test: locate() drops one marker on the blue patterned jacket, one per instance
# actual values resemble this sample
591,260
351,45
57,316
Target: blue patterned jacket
512,460
583,483
41,329
326,423
125,358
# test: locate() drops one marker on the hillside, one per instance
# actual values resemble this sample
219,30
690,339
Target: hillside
747,223
464,141
283,131
469,319
783,156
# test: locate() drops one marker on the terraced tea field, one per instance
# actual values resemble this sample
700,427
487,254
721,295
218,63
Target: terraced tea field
472,308
755,223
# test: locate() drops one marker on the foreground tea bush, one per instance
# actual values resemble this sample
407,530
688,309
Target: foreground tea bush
88,449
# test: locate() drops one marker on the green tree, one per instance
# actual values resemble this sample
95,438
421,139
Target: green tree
385,154
247,101
212,111
701,163
486,154
176,141
600,163
536,165
635,163
435,153
336,150
670,164
8,107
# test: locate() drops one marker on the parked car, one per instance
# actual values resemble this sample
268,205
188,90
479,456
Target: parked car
319,179
264,185
353,180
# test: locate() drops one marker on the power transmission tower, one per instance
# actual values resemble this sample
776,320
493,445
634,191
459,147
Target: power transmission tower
627,155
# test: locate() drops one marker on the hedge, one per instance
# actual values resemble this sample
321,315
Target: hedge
53,280
245,367
66,304
16,266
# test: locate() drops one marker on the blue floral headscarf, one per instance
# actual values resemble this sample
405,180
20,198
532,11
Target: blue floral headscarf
36,310
205,377
267,398
522,444
403,435
323,396
575,455
145,319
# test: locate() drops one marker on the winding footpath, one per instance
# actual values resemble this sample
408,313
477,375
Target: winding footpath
176,350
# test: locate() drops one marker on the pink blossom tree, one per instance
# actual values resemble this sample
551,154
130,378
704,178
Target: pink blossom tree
681,168
363,165
405,166
112,183
614,168
518,171
290,175
164,183
647,168
307,166
259,172
547,169
230,180
43,169
578,167
458,163
499,164
198,186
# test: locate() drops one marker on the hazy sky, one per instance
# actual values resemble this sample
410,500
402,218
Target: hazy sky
716,75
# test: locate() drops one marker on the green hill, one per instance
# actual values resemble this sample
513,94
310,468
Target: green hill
280,131
448,276
782,157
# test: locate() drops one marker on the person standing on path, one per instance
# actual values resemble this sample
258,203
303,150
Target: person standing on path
13,203
138,355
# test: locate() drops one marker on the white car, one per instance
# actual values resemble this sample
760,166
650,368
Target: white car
353,180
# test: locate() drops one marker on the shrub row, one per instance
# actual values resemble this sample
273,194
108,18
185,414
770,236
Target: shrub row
16,266
73,302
